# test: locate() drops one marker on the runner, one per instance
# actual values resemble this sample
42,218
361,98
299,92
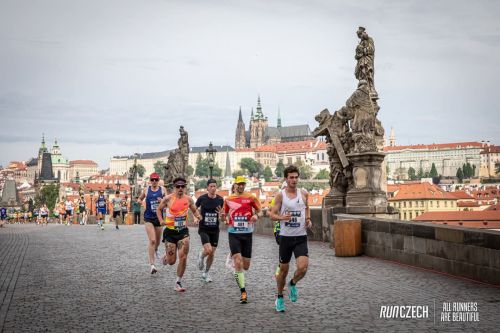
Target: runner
116,203
82,211
68,206
176,233
44,214
101,204
153,195
242,209
124,206
210,207
137,210
276,229
292,210
3,216
62,211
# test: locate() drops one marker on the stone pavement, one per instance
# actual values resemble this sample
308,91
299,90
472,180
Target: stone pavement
74,278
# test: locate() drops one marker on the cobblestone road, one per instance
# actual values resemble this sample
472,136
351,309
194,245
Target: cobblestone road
73,278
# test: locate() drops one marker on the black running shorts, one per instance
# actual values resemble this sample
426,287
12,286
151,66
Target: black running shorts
116,213
296,245
173,236
154,222
209,236
241,243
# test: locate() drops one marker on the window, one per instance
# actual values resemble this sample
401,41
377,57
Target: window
422,203
411,215
437,204
446,203
405,215
410,204
289,160
404,204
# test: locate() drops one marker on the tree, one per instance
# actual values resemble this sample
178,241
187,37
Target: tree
497,167
433,172
305,171
322,174
159,167
280,167
460,174
203,168
48,195
237,173
268,174
141,170
401,173
473,170
412,173
189,170
420,173
252,166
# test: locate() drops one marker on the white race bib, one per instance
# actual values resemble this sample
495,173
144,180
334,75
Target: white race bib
293,222
211,218
179,221
240,222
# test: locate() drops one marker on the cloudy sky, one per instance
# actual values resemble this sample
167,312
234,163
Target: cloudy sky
114,77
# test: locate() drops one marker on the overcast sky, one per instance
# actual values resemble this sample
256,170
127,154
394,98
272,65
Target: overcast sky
114,77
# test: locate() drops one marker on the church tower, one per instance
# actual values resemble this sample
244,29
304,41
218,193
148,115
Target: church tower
258,127
392,138
240,133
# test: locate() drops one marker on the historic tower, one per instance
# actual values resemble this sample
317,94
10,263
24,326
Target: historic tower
258,127
240,133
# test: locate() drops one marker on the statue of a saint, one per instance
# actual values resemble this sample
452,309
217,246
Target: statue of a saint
365,55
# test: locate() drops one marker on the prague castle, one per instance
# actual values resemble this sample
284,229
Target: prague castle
260,133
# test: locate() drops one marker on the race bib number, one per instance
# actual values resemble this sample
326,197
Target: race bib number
154,205
240,222
293,223
211,218
179,221
101,204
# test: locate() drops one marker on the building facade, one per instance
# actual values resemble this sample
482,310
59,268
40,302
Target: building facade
83,168
490,156
447,157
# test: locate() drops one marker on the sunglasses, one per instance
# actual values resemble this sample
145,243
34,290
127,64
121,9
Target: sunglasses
155,180
180,186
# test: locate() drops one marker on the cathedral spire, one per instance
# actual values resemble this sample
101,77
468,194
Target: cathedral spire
259,114
251,115
228,165
240,118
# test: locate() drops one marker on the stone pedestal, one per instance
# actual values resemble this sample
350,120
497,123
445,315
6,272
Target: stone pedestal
365,195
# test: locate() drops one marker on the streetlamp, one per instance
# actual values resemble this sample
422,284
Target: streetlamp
91,192
118,184
211,157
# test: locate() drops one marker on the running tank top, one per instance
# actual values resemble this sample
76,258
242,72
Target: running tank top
153,199
296,207
101,202
176,217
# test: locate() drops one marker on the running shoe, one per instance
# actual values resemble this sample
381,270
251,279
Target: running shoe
243,298
292,293
230,262
179,287
102,227
157,255
117,227
206,277
201,264
279,304
153,269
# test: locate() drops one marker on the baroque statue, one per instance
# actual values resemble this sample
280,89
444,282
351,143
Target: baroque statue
178,159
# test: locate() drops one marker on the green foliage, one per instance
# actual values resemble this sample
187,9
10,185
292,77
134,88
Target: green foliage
412,173
497,167
252,166
141,170
401,173
323,174
420,173
468,170
305,171
460,174
203,169
268,173
47,195
189,170
280,167
159,167
433,172
237,173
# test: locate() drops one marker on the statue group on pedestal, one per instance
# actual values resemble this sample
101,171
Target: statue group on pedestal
178,159
353,129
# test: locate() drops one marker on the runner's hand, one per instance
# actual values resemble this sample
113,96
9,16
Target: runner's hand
309,223
285,217
254,219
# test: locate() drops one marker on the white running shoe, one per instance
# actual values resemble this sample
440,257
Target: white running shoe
206,277
153,269
179,287
230,262
201,264
157,255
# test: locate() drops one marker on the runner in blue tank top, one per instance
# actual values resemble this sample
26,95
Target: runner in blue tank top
153,195
101,205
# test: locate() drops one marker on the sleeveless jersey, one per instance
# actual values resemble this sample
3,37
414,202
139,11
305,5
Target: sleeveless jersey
153,199
176,217
101,202
296,207
239,210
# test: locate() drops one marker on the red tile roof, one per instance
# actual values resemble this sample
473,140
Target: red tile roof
420,191
461,195
300,146
467,204
484,215
89,162
491,149
437,146
494,207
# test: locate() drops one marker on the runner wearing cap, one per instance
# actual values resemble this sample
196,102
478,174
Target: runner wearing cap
210,207
101,204
153,195
241,208
292,210
176,233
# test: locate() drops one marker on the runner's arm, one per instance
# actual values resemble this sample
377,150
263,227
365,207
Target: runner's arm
305,197
195,211
274,213
161,206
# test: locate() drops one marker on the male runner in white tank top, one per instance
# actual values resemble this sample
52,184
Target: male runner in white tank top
292,211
